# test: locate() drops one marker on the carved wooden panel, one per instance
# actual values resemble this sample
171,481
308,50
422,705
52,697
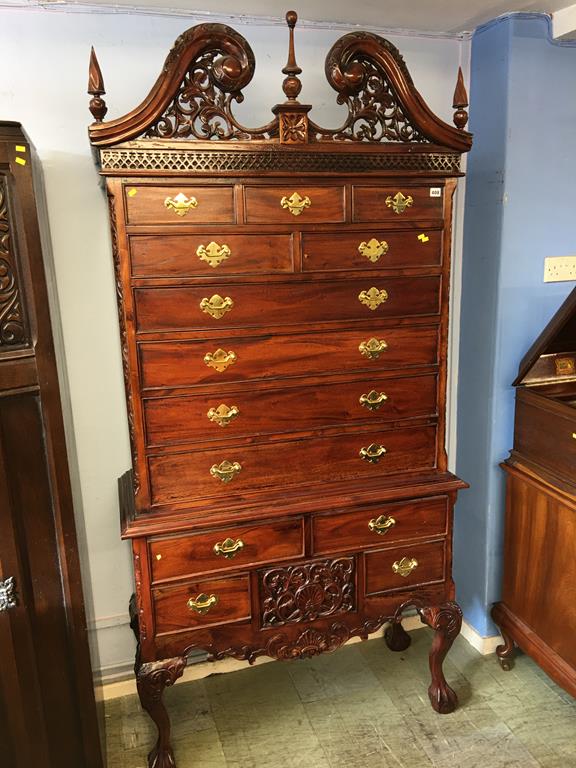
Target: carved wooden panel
307,591
13,331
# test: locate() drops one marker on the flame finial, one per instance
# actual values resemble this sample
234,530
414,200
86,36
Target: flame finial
291,85
97,105
460,102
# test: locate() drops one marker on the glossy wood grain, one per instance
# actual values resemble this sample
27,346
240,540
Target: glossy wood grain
369,203
291,463
147,204
261,357
165,309
184,556
263,204
177,255
413,519
380,575
172,420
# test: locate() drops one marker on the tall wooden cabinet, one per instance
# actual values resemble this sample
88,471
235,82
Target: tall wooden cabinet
283,300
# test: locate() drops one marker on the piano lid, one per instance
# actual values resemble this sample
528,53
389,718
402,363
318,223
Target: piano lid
552,357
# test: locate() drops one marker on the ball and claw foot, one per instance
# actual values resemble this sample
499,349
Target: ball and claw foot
446,621
396,637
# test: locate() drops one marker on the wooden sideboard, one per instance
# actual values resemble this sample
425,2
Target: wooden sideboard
283,302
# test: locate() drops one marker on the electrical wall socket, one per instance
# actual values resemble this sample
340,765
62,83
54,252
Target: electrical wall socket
559,268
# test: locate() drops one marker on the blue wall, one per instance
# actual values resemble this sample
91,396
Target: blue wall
520,207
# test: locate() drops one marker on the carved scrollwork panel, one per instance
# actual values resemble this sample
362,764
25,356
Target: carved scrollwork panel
13,331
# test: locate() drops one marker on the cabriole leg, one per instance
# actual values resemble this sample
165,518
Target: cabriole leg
506,652
151,679
446,621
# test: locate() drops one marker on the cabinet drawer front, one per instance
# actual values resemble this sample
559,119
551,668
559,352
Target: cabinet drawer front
241,306
190,363
405,566
371,249
217,601
397,204
205,417
546,438
377,526
224,472
239,546
296,204
210,253
175,204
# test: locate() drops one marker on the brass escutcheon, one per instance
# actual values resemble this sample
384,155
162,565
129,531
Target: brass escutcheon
213,253
373,400
220,360
373,453
373,249
373,297
373,348
381,524
295,203
223,415
399,202
181,204
229,547
225,471
216,306
405,566
202,603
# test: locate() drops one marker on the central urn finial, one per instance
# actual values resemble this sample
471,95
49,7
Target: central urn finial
292,116
291,85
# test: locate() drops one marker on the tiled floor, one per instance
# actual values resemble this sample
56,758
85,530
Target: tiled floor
362,706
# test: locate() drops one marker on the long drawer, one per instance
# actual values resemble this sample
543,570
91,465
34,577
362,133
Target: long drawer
190,418
222,473
201,361
378,526
239,306
222,549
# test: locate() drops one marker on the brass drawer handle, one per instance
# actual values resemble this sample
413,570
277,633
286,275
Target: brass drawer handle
373,348
223,415
213,253
225,471
405,566
220,360
373,400
216,306
295,203
399,202
373,249
373,298
181,204
373,453
202,603
382,524
228,548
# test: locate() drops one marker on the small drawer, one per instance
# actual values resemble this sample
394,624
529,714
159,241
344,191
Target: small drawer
371,249
202,603
183,205
297,204
543,435
225,549
397,204
211,253
376,526
405,566
201,361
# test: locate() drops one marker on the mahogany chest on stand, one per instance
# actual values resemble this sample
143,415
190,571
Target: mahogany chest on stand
283,298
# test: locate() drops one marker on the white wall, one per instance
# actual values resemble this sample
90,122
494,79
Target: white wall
44,68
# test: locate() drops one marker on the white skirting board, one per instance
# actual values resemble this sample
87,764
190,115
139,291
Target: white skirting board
121,682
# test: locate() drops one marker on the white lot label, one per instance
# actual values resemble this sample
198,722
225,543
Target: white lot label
435,192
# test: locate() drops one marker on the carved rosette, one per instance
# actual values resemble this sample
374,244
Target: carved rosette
12,328
307,592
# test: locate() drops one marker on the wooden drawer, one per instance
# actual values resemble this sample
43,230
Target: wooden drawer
190,363
240,306
272,205
172,204
397,203
206,417
224,600
212,253
371,249
545,436
182,556
382,565
377,526
274,466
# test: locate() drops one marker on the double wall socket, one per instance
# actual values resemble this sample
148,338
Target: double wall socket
559,268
